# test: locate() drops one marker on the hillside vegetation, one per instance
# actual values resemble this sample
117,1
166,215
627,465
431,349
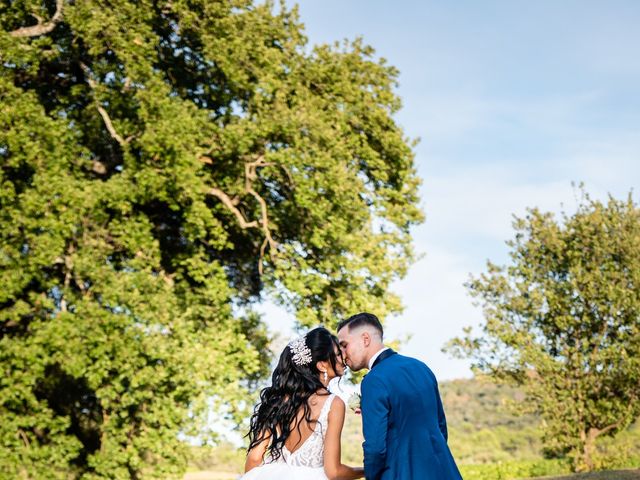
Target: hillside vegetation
484,429
609,475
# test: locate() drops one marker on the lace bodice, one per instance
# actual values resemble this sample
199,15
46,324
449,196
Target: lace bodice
311,452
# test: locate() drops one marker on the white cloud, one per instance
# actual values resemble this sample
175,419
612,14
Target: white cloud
480,202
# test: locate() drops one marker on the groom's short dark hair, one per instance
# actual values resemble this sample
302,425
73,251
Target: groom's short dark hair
360,320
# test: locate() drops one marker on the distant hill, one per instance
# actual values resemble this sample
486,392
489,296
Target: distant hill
483,429
480,403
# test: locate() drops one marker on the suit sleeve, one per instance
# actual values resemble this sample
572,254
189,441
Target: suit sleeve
442,420
375,416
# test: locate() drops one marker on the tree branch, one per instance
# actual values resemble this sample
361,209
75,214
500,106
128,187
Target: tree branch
595,432
103,113
231,205
107,122
24,438
289,176
98,167
251,175
41,28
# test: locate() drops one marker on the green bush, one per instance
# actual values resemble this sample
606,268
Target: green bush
621,451
513,470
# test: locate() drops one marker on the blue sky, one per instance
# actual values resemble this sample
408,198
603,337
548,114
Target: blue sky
513,101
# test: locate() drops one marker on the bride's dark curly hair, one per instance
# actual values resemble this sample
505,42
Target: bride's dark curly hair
275,416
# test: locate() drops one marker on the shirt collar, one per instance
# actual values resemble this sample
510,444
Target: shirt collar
376,355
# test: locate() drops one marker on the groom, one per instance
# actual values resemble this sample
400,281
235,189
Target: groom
405,431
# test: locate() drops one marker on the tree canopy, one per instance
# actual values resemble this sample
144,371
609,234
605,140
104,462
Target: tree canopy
563,320
165,165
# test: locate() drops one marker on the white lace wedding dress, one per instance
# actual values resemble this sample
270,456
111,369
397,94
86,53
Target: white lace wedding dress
305,463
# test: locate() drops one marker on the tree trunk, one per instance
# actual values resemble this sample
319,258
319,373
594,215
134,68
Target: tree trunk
586,461
588,449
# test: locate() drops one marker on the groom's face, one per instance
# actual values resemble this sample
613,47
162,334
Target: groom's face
353,348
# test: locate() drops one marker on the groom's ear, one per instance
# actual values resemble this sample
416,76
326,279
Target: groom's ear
366,339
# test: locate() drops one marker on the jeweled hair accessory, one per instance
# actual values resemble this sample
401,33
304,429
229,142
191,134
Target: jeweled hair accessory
300,353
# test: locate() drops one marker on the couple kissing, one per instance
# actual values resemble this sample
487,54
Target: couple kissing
295,430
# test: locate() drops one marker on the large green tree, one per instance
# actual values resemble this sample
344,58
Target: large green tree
164,165
563,320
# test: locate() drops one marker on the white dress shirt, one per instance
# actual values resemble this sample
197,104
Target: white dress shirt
376,355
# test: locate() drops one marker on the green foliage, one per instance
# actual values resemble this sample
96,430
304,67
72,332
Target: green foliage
514,469
607,475
621,451
162,164
563,321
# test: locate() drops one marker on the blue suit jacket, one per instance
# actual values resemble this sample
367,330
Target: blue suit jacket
405,430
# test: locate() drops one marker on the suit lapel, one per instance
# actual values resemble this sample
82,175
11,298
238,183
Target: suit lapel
382,357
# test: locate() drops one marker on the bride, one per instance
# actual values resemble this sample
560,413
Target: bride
295,429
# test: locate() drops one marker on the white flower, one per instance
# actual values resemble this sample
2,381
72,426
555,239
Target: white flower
354,402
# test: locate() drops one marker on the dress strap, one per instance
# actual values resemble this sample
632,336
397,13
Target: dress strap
324,412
